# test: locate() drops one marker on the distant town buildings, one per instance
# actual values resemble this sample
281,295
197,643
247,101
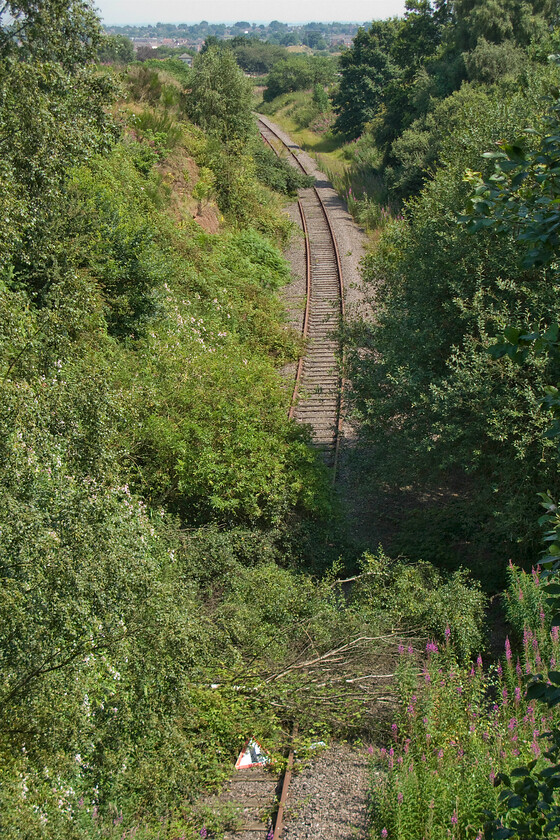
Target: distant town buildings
318,36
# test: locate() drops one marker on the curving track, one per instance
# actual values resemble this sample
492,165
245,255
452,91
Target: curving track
318,390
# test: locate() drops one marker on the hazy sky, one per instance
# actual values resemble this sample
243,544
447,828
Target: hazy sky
226,11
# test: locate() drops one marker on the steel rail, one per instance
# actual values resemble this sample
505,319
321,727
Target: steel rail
340,395
279,823
305,325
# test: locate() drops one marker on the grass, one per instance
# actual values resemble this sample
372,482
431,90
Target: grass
357,181
329,151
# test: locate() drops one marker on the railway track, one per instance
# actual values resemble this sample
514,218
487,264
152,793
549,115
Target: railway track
258,795
259,798
318,390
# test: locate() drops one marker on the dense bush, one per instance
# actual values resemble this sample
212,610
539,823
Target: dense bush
297,73
426,389
415,596
139,398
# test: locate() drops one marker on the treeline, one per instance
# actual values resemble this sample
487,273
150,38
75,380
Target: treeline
316,35
398,77
422,99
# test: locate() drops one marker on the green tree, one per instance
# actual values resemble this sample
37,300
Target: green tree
116,49
220,98
521,199
64,31
298,72
430,397
366,68
53,114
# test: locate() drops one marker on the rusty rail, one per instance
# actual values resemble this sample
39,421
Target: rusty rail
279,824
342,385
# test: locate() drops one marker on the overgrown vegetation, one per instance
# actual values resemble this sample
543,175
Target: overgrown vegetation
160,515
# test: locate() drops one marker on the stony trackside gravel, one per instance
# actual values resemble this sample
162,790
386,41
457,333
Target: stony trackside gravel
328,799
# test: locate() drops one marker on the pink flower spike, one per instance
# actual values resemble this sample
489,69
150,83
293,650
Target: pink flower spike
508,650
384,833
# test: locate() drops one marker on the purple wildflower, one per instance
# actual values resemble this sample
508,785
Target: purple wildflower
204,833
400,798
508,650
384,833
447,633
431,647
554,633
401,650
454,818
479,661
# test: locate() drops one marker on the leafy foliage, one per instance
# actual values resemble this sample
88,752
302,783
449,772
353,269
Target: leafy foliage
298,72
426,388
220,97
